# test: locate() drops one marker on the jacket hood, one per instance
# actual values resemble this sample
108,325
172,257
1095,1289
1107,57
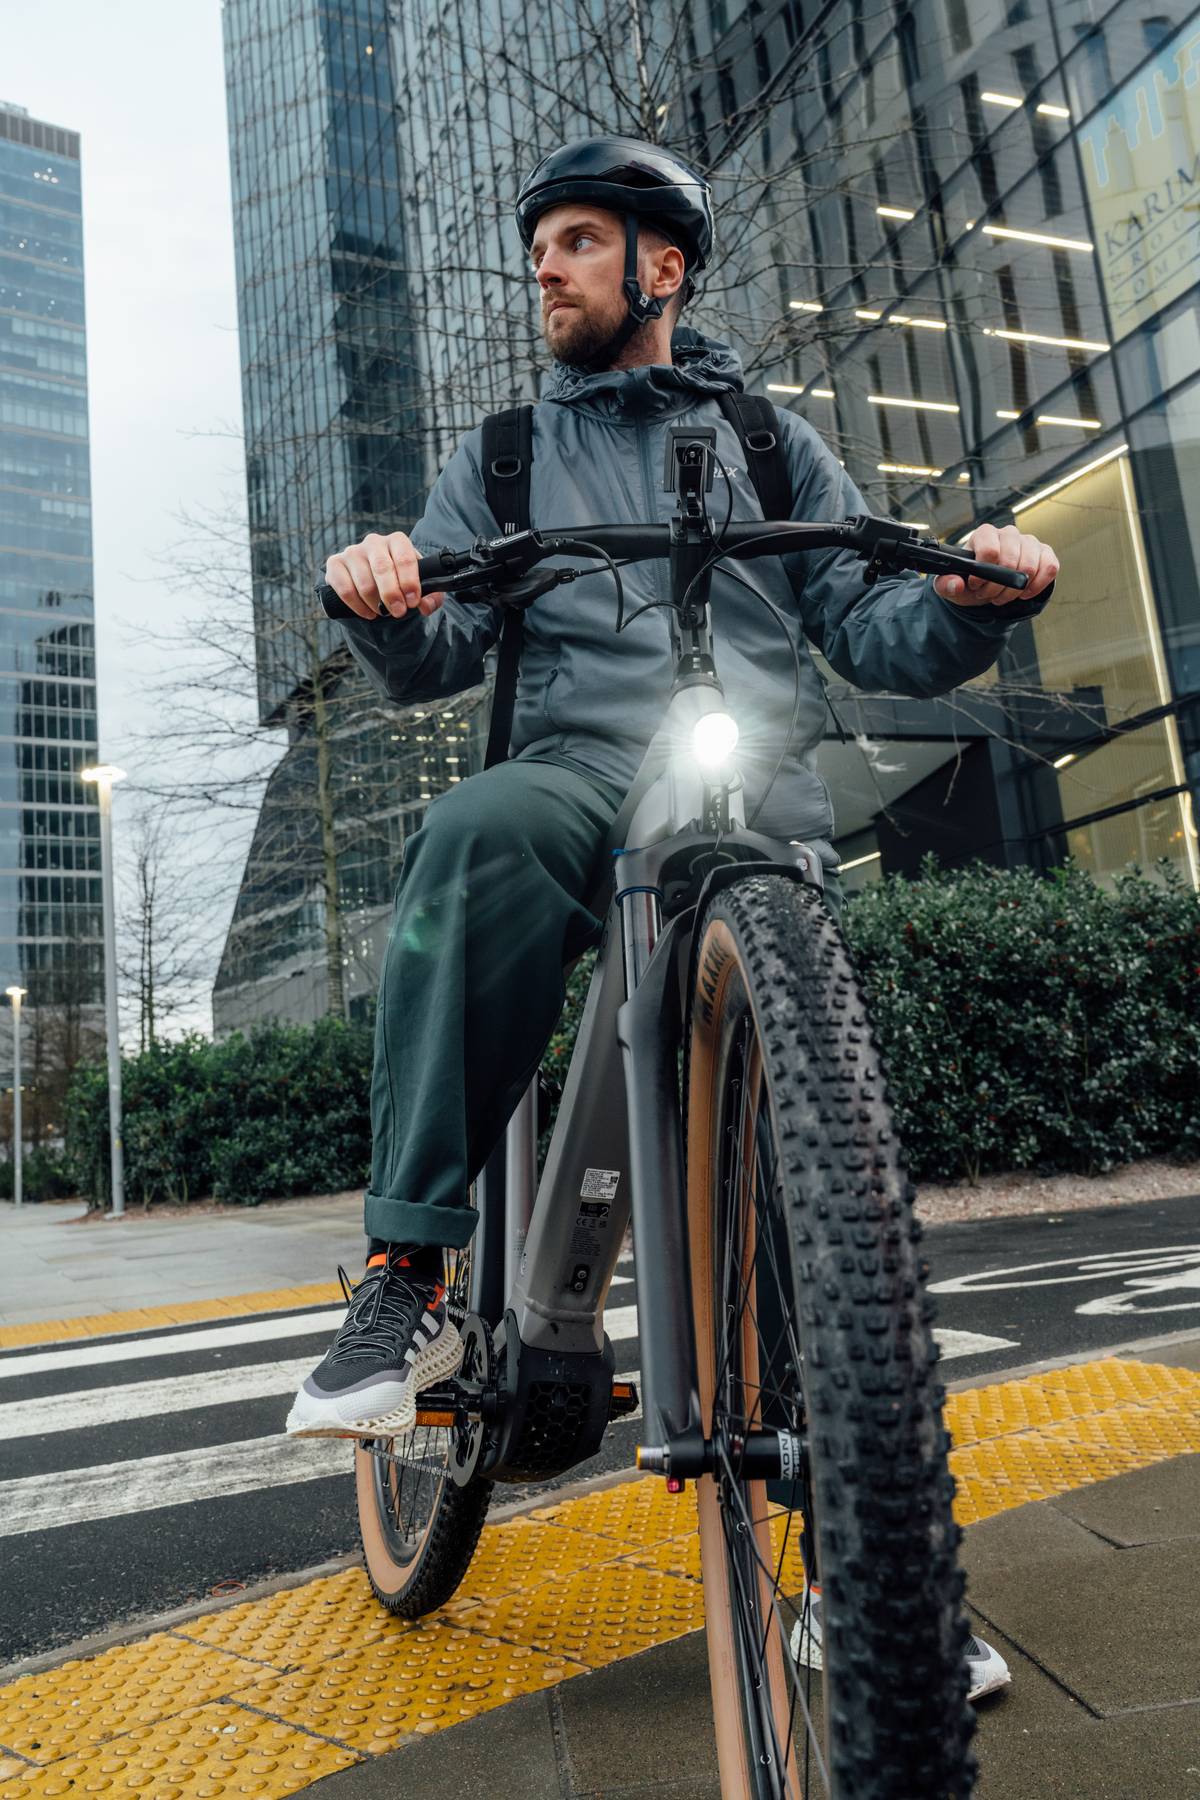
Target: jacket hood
701,366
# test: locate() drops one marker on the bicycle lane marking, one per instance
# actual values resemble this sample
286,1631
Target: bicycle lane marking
1149,1276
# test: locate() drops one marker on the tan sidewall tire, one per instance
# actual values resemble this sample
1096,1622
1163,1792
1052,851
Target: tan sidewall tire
717,963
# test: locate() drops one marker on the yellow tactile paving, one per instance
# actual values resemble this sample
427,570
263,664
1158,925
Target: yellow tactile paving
596,1615
419,1678
212,1708
44,1717
635,1512
299,1628
182,1312
207,1752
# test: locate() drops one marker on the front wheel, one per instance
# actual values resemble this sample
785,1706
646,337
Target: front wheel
832,1598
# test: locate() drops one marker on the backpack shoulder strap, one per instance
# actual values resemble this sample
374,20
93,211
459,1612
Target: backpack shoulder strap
507,466
507,462
756,422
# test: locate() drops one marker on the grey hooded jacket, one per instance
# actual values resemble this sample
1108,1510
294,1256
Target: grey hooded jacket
595,697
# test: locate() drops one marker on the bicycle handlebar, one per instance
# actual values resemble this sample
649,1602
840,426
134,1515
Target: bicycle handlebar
494,569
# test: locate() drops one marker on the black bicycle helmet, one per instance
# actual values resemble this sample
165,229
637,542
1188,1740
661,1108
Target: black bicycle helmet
646,185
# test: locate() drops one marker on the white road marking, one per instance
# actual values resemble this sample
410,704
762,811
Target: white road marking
213,1337
620,1322
109,1490
88,1407
970,1343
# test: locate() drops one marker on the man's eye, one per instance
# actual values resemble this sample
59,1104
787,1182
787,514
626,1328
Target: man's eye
583,238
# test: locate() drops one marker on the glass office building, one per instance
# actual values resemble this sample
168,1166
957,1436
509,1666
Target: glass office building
50,903
957,238
993,283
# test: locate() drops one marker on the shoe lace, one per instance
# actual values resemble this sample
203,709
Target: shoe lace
382,1310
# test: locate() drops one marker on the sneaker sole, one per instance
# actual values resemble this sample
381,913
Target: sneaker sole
992,1684
441,1359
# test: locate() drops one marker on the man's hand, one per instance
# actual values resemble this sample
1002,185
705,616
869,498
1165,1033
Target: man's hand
380,575
1014,550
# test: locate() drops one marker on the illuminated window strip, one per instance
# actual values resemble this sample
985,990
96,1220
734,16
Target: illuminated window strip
783,387
1066,480
1061,762
890,468
1054,112
1078,424
907,319
806,305
945,406
895,212
1005,413
964,475
858,861
1036,337
1002,99
1037,237
862,312
822,393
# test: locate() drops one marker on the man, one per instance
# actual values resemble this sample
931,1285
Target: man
491,900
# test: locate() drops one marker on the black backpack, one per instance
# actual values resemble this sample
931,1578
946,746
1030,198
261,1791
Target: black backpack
507,464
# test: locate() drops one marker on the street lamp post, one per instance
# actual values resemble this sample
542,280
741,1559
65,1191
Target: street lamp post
104,775
16,995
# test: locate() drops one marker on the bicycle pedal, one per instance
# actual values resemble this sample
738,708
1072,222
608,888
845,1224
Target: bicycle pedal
624,1400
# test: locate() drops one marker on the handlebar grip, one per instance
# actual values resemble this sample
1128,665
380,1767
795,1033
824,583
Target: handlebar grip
993,572
431,570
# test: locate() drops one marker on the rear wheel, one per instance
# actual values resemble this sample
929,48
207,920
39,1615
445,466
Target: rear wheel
419,1530
811,1320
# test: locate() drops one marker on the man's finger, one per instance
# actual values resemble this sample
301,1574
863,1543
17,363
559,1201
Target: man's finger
387,583
361,573
1044,574
340,579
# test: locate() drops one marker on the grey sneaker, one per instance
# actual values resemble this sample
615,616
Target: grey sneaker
396,1339
987,1669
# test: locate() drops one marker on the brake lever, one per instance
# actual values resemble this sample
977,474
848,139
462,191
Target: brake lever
888,546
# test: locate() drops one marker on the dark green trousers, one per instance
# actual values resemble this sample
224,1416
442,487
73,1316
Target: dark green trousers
490,909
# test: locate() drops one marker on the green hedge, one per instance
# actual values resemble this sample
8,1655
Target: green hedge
282,1111
1034,1022
1027,1022
45,1175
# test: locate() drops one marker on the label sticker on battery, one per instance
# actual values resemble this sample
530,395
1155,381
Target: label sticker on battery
600,1184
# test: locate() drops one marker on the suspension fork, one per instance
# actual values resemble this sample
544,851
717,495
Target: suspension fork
649,1032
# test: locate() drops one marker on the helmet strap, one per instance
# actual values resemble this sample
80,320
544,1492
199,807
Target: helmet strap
642,307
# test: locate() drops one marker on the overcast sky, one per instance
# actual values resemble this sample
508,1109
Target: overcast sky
143,84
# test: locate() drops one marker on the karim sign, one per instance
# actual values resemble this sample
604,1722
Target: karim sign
1141,165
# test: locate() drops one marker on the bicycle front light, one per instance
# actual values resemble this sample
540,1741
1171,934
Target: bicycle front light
714,738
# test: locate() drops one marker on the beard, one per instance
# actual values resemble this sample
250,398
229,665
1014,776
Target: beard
579,335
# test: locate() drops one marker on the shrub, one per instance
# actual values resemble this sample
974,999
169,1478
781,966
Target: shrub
45,1175
1034,1022
282,1111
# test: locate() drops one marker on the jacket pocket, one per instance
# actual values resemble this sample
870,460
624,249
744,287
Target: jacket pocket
547,701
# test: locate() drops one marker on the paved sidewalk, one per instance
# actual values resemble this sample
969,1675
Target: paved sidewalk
52,1268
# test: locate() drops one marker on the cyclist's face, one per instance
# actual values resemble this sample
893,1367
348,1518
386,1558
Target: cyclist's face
578,258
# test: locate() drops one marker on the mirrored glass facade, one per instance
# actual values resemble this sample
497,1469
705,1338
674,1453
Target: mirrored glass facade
50,904
994,292
335,448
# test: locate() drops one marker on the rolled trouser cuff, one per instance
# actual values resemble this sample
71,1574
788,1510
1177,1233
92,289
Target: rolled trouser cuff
414,1222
